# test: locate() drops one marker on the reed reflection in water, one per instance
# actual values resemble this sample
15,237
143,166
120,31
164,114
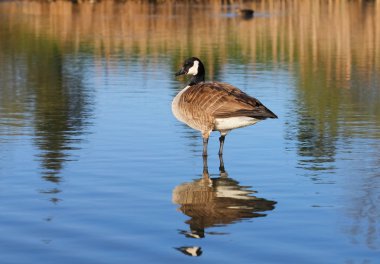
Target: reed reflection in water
43,95
215,202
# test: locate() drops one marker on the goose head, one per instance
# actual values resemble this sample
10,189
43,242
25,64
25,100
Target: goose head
193,66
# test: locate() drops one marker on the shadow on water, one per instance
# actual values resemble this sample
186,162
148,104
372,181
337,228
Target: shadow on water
214,202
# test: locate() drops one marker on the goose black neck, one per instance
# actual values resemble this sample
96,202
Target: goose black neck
197,79
200,76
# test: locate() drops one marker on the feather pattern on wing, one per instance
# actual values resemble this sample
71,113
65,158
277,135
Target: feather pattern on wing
220,100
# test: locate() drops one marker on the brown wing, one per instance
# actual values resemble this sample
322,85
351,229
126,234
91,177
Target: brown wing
222,100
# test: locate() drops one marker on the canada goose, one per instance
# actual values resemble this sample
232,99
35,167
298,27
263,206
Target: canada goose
214,106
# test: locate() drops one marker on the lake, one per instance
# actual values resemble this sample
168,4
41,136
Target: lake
94,168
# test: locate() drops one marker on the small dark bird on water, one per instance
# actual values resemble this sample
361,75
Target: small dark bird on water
214,106
245,13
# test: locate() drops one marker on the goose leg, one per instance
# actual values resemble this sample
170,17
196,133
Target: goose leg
221,140
205,143
222,170
221,165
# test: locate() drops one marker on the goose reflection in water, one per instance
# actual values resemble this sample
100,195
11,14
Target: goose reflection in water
211,202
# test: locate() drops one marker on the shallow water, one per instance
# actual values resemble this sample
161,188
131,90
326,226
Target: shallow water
94,168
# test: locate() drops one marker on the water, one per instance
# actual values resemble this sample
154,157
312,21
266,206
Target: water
94,168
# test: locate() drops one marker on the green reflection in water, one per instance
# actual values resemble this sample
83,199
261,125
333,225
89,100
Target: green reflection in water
43,84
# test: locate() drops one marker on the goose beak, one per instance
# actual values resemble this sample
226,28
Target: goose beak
180,72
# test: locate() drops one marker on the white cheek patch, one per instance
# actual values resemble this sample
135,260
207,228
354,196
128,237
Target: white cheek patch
194,69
